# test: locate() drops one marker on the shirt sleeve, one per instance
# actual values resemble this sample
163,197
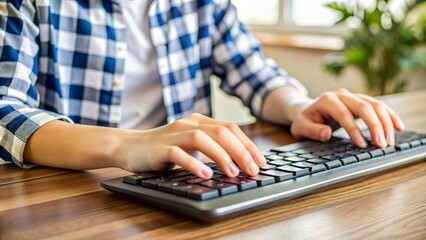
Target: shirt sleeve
240,63
19,99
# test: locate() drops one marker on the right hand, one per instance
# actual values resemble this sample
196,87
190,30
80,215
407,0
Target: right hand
160,148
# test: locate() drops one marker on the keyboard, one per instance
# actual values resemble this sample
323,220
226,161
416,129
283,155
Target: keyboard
291,171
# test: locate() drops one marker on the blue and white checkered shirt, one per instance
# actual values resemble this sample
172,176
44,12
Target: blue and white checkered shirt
64,59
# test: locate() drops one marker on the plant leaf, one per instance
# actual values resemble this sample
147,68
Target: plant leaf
335,64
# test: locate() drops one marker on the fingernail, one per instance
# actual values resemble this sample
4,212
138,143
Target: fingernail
381,140
254,169
234,169
323,134
260,159
361,141
207,172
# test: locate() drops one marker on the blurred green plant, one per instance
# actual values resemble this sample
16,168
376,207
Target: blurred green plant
384,45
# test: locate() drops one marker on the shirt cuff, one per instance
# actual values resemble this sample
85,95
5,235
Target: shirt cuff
272,84
17,125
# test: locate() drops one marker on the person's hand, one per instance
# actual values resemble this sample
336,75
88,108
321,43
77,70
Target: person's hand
161,148
344,107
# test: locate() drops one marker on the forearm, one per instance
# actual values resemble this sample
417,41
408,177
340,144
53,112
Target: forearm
283,104
72,146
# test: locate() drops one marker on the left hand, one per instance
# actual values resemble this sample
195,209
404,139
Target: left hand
344,107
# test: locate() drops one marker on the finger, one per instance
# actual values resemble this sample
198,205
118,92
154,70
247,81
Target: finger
248,144
396,120
385,118
234,147
178,156
203,142
365,110
305,127
330,104
223,137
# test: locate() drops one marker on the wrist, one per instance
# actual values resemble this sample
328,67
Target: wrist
282,105
296,108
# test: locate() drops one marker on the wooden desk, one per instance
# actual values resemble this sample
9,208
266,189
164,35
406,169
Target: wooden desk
60,204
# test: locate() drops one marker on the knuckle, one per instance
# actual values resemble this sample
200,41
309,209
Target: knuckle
380,105
232,127
220,131
197,135
344,113
172,151
195,115
178,123
327,96
363,106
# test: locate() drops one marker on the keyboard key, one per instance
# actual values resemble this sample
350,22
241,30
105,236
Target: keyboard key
274,157
402,146
268,167
268,153
303,164
295,170
287,154
317,168
211,165
389,150
243,184
196,180
201,193
278,175
343,155
262,180
333,164
363,156
330,157
301,151
176,173
137,179
219,172
181,190
415,143
183,179
308,155
153,183
279,162
223,187
168,186
423,141
376,153
294,159
316,160
349,160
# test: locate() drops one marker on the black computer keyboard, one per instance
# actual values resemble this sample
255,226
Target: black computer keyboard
291,171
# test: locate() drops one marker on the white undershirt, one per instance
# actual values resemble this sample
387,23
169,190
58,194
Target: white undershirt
142,101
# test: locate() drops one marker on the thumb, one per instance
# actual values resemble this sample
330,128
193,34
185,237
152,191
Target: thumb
305,127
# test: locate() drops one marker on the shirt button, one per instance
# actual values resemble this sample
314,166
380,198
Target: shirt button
117,82
120,47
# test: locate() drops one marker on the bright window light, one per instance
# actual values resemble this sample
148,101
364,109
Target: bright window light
258,12
312,13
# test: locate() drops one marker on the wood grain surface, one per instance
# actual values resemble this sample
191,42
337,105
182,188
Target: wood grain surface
46,203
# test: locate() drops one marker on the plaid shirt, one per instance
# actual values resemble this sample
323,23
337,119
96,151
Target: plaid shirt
64,59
